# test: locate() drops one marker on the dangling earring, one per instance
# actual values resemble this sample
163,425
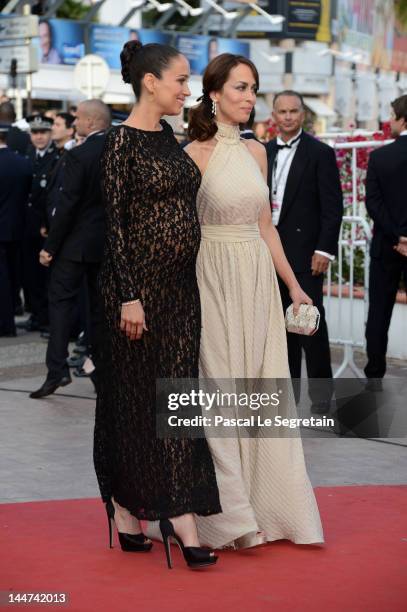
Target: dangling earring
213,108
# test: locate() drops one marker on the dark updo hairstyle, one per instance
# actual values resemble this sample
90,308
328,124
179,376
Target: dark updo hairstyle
137,60
202,125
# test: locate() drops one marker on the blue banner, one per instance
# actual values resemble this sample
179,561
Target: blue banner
229,45
147,36
108,41
61,41
195,48
200,50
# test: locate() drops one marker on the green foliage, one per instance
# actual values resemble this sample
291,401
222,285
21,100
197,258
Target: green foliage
177,21
73,9
358,267
401,11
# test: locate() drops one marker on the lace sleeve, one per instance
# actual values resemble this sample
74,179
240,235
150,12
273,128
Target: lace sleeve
116,166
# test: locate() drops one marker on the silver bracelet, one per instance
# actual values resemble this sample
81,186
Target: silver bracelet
129,303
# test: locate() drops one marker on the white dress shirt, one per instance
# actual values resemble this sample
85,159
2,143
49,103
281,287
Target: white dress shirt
70,144
281,169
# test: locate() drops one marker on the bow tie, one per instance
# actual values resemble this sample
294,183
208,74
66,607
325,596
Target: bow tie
288,146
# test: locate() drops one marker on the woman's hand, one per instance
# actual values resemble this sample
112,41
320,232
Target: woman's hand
132,321
299,297
45,258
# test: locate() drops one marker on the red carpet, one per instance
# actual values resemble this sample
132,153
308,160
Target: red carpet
61,546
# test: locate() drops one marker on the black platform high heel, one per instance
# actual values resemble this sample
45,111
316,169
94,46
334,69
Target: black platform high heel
129,542
194,555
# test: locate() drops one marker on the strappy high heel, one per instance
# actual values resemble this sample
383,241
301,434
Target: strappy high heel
194,556
129,542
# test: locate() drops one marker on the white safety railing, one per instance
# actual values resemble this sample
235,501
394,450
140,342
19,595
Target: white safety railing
358,237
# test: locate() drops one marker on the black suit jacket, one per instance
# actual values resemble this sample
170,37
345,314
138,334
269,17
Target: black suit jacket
77,228
311,213
386,195
54,183
248,135
15,183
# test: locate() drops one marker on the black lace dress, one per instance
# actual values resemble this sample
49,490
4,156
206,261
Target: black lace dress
152,240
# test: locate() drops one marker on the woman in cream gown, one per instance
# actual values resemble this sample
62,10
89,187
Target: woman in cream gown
264,488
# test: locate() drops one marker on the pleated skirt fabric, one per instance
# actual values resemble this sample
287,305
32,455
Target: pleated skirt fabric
263,482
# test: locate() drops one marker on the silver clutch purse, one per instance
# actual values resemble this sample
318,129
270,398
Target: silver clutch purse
306,322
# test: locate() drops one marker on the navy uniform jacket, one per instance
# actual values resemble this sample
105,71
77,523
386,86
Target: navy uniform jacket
15,183
18,141
42,168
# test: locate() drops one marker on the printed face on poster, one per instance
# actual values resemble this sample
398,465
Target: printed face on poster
60,41
108,41
200,50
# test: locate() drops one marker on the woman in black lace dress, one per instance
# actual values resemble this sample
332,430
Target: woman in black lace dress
152,313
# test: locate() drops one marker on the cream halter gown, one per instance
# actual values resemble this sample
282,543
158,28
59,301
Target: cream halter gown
263,482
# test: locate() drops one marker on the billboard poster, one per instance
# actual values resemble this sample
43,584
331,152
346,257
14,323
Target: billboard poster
399,55
200,50
303,18
107,41
355,22
383,34
227,45
196,50
60,41
146,36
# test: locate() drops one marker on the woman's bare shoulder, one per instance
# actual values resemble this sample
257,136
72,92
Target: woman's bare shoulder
256,148
200,152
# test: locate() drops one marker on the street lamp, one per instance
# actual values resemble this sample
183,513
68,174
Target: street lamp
274,19
274,58
188,9
219,9
143,5
348,56
161,7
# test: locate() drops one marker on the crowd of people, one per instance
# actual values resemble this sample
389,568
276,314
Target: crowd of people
183,260
33,165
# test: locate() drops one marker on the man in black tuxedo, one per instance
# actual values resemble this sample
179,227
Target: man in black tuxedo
386,203
74,246
15,183
306,200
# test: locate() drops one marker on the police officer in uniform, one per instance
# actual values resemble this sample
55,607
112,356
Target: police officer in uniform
15,181
43,156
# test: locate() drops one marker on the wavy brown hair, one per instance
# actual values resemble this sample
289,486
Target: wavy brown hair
202,125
